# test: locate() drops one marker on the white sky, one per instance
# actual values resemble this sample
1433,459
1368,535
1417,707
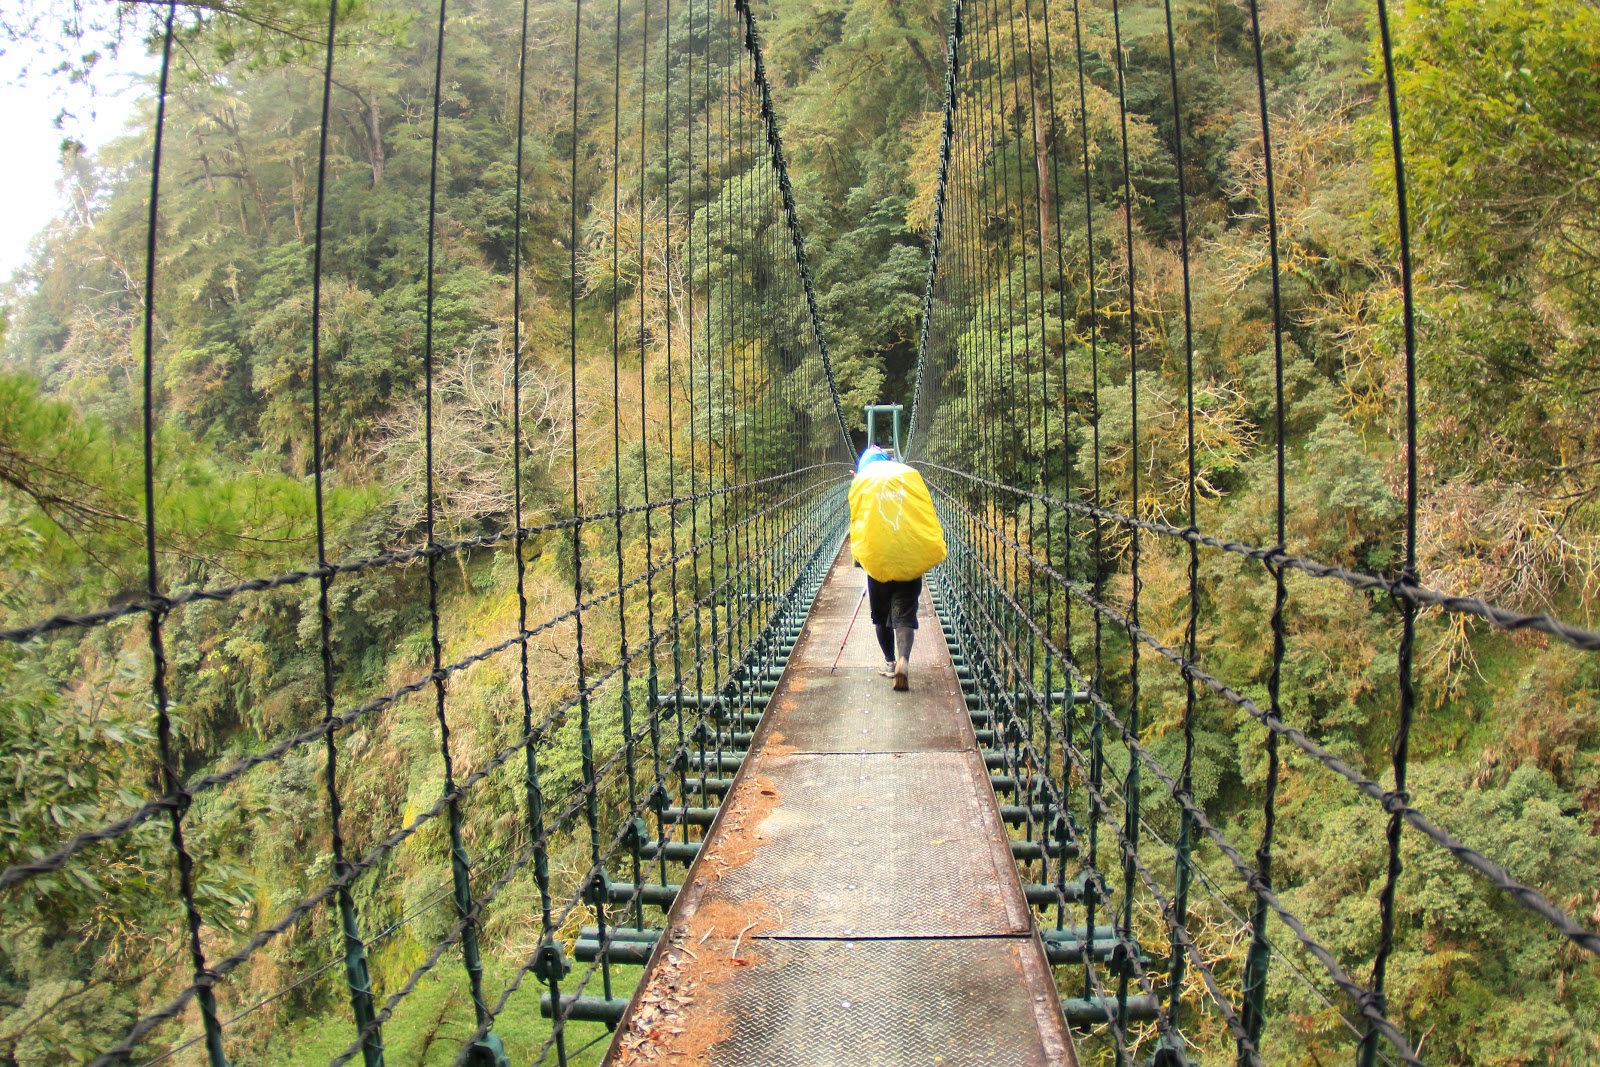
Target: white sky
30,138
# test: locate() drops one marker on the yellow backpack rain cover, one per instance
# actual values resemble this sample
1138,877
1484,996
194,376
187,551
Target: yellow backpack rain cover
894,532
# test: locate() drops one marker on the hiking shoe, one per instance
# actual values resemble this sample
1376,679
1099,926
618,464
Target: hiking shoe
902,675
888,670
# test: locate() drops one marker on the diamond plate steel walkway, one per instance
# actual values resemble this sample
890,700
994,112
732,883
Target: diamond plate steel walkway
855,902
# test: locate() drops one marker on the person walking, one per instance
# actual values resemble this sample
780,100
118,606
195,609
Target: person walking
896,538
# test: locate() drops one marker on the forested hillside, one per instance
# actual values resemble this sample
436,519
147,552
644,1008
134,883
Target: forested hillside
1501,123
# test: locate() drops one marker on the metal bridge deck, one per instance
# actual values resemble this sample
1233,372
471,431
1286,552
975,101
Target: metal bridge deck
856,903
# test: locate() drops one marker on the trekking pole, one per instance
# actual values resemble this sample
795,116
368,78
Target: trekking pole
847,630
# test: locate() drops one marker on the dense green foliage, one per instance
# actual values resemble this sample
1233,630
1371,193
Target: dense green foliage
1500,100
1508,495
1498,107
89,950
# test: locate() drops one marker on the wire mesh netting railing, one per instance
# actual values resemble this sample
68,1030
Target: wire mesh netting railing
545,567
1143,680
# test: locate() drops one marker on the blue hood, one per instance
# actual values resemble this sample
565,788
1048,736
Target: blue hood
871,455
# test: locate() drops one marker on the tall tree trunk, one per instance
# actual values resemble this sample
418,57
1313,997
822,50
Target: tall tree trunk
246,175
297,197
375,140
1041,151
372,132
928,72
254,186
935,77
211,185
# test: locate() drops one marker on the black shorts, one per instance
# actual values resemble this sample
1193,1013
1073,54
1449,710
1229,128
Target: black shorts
894,604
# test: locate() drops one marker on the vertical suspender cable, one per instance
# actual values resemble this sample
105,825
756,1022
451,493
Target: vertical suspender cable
355,951
1181,876
591,803
551,965
460,866
1067,713
1130,785
1005,379
989,428
171,773
985,340
1041,458
653,681
1408,575
1259,955
712,195
1096,757
671,433
744,361
630,756
694,424
936,239
1022,448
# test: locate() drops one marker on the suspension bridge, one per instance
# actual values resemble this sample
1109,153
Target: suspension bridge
766,857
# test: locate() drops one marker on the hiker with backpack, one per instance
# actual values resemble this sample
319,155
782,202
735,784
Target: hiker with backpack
896,538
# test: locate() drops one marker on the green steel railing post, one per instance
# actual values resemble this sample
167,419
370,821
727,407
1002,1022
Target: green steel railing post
358,977
461,873
1096,756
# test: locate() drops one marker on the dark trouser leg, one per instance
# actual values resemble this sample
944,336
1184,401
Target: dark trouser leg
905,628
880,597
886,638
